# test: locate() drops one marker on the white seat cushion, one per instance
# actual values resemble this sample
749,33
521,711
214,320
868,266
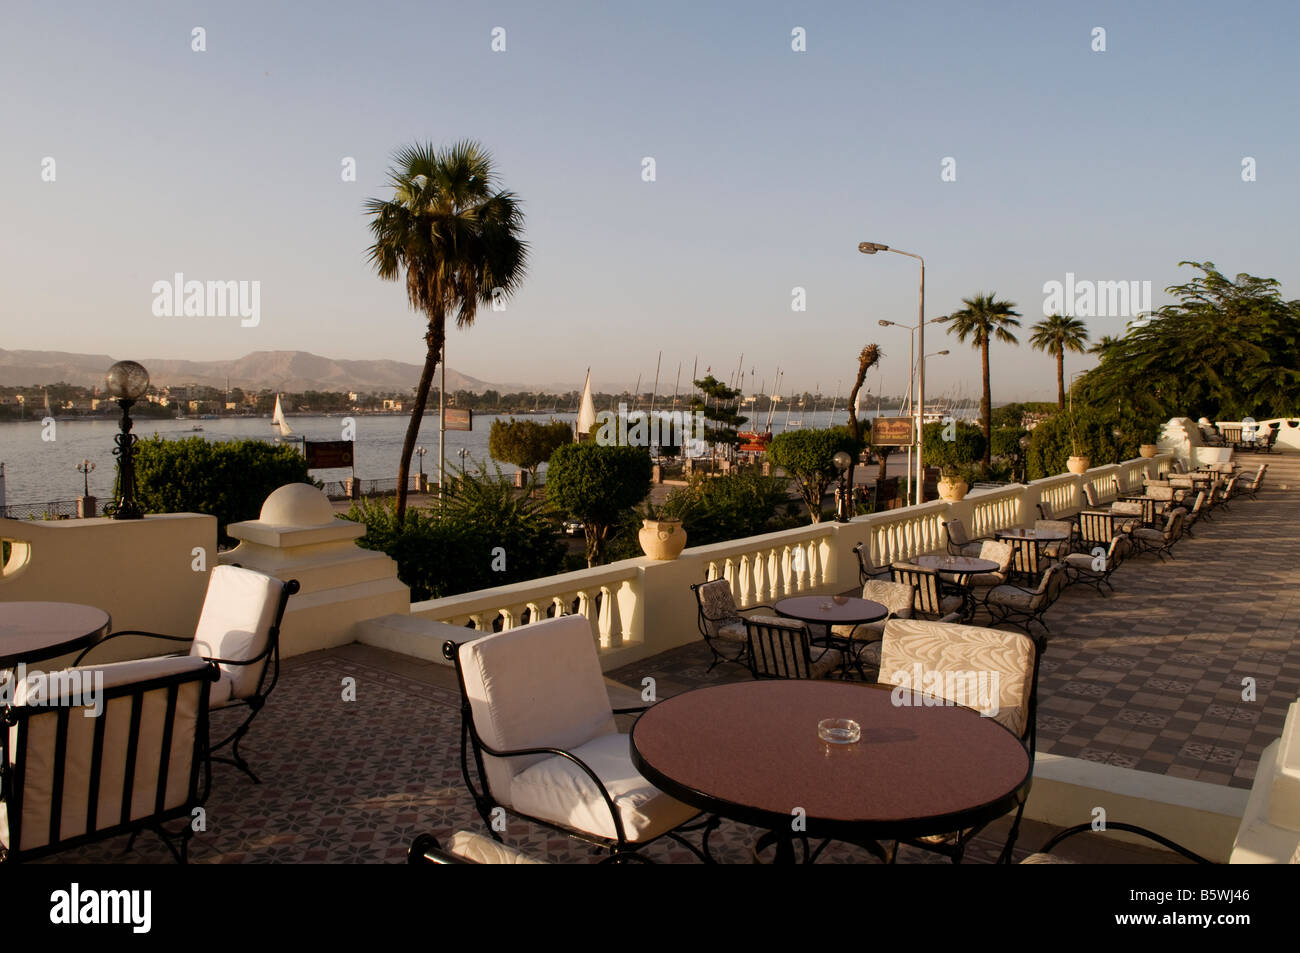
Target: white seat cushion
484,850
219,695
238,612
557,790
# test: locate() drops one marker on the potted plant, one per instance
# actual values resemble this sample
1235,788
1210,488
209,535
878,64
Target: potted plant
952,486
1151,449
1078,462
661,537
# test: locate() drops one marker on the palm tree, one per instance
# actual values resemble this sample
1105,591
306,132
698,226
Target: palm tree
458,239
1105,346
1056,335
984,317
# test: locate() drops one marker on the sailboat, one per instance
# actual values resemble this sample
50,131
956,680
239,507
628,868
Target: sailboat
277,420
586,412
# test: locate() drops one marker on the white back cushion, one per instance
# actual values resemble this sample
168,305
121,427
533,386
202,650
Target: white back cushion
236,622
537,685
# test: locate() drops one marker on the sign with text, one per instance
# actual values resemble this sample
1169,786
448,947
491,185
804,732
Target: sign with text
328,454
459,419
891,431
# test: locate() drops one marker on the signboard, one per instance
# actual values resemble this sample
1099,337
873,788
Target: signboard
891,431
328,454
459,419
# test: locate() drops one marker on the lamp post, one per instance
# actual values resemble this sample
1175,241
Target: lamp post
126,382
870,248
85,467
842,461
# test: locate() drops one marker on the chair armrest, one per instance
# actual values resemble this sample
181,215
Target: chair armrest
152,635
1130,828
761,605
631,711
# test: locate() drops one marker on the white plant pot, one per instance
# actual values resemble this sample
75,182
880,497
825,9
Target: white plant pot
662,539
1078,464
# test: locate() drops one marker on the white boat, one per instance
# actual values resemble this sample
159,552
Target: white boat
278,421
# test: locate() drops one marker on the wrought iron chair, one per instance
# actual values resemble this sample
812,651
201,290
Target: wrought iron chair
1198,510
1023,607
1044,854
934,600
1015,658
864,639
720,622
465,847
867,570
1161,541
1095,568
537,723
239,630
1256,482
1098,529
782,648
959,544
70,780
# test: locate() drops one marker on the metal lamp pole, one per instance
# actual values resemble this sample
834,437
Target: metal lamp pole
911,384
870,248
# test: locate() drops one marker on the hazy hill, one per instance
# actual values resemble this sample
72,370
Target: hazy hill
279,370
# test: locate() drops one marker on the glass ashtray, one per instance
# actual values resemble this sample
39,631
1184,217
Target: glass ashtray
839,731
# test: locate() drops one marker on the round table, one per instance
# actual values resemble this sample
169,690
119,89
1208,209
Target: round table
35,631
834,610
1035,535
749,751
1024,559
957,565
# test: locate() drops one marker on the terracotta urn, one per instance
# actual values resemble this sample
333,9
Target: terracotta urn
1078,464
662,539
953,489
1148,450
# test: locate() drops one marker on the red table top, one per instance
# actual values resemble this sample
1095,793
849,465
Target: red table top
750,751
34,631
831,610
957,564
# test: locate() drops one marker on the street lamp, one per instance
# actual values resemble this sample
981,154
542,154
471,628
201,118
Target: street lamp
842,462
84,468
126,382
420,452
870,248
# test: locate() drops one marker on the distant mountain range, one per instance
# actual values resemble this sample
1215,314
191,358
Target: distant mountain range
291,371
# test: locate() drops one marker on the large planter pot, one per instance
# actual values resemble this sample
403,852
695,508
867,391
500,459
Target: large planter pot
662,539
953,489
1148,450
1078,464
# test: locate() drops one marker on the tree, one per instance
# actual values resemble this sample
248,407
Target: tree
1056,335
868,357
1226,349
714,509
966,447
527,444
597,484
983,319
458,239
808,456
714,401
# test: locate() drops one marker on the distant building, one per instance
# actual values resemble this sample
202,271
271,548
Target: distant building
390,404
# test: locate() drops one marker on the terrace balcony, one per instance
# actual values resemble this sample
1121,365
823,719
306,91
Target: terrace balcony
1141,706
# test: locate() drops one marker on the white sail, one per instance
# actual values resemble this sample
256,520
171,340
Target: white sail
277,419
586,411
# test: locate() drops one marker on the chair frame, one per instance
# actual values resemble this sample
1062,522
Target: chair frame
1061,836
701,622
620,849
766,638
16,717
931,596
867,572
1025,618
269,658
1172,533
1098,579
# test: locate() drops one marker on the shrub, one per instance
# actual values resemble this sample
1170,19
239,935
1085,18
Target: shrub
486,535
716,509
807,456
597,484
1086,433
967,445
527,444
229,479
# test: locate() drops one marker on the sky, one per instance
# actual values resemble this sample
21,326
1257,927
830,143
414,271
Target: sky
771,164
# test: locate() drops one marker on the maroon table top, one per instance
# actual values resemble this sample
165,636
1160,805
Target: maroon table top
1039,535
750,751
34,631
831,610
958,564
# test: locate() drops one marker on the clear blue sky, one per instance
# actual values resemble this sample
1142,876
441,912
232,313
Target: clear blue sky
771,166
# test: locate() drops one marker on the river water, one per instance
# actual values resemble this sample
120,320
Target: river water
38,470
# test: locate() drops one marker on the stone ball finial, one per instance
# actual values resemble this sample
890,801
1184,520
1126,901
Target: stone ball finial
297,504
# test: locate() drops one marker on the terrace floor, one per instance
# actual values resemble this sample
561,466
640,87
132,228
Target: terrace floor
1150,678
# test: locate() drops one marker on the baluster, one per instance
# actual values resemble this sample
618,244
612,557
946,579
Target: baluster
781,578
611,622
744,580
477,619
587,607
814,563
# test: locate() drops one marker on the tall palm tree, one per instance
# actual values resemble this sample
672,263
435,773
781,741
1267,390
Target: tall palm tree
1104,346
458,239
1056,335
984,318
